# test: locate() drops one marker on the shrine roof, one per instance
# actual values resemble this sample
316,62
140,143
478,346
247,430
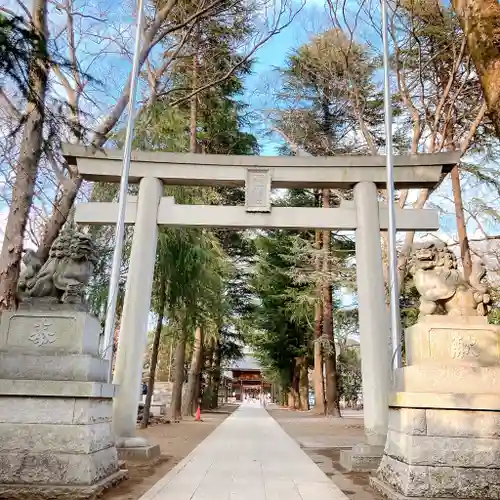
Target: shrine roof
247,363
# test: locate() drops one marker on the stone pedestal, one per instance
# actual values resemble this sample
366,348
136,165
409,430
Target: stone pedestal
56,439
162,394
444,418
361,458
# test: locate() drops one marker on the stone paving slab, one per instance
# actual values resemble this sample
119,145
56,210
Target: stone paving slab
248,457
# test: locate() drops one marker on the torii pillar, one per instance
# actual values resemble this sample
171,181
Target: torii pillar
134,323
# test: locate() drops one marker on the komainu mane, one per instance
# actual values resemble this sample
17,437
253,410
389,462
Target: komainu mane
442,288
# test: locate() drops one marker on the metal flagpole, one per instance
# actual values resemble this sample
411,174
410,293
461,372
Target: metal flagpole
109,326
393,257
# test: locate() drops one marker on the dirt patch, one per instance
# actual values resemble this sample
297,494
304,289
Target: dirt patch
176,442
316,431
322,439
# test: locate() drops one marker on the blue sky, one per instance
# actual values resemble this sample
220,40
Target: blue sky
259,85
273,55
258,95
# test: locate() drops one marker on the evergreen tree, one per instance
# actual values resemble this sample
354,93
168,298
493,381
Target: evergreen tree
282,339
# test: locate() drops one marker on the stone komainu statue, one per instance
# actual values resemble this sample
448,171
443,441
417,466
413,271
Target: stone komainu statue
442,288
65,274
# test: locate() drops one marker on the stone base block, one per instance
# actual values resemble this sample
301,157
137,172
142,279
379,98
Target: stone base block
49,332
55,411
140,453
75,367
387,491
442,378
448,400
390,493
441,453
56,438
56,492
49,442
158,410
57,389
57,468
453,340
437,482
361,458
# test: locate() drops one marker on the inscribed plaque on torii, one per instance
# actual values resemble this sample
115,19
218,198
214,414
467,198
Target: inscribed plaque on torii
258,190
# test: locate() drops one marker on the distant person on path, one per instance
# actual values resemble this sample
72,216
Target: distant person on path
263,400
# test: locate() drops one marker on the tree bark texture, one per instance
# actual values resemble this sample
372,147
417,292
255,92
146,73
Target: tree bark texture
208,371
69,194
216,376
303,383
319,382
154,355
193,142
211,377
480,20
190,398
27,164
197,393
293,394
180,358
461,226
331,389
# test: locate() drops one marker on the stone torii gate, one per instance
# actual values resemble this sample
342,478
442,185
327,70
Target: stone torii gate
365,174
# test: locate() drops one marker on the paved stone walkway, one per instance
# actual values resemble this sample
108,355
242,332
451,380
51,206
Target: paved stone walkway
248,457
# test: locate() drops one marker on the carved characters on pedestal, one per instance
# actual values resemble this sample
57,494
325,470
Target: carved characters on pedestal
443,289
42,334
65,274
464,347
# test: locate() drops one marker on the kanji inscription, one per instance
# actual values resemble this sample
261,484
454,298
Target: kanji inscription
43,334
463,347
258,190
471,345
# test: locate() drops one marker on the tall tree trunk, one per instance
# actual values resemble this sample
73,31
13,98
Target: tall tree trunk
195,402
27,166
331,389
193,142
480,20
208,356
180,358
190,398
319,383
294,390
461,226
154,354
184,407
303,383
60,213
210,369
216,377
171,358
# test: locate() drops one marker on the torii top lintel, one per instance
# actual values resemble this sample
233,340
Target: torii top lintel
410,171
